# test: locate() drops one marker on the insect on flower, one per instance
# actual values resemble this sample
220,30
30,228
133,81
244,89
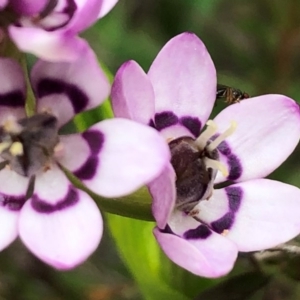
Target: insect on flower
231,95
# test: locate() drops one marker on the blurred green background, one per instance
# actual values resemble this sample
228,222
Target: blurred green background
255,46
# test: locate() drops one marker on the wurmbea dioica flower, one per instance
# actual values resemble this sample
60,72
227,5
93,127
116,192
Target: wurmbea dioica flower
201,228
59,223
49,28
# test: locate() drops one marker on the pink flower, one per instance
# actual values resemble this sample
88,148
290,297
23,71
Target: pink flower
242,144
59,223
49,30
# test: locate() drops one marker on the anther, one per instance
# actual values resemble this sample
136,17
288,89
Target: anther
204,137
16,149
213,145
217,165
4,146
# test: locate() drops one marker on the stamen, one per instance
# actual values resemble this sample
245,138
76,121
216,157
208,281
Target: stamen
217,165
204,137
16,149
213,145
4,146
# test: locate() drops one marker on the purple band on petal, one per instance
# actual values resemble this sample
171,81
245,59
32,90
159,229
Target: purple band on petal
192,124
234,195
201,232
165,119
151,124
43,207
11,202
12,99
235,167
95,140
68,10
77,97
167,230
88,170
224,223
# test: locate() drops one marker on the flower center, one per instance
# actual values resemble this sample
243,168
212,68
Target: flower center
196,163
27,145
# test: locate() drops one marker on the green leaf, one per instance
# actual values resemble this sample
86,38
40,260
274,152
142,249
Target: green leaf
157,277
238,287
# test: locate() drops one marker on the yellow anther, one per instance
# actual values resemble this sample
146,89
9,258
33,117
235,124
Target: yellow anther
16,149
217,165
225,232
213,145
4,146
204,137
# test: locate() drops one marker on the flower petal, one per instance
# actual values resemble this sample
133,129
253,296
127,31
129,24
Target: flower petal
27,7
13,188
106,7
260,213
213,256
64,237
48,45
67,88
163,192
3,3
132,94
268,130
184,81
76,151
86,14
12,90
9,223
124,156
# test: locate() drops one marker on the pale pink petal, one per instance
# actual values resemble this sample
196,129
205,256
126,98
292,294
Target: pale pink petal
106,7
12,90
268,130
49,45
75,151
125,155
184,81
67,88
256,214
86,14
9,225
3,3
132,94
213,256
65,235
163,192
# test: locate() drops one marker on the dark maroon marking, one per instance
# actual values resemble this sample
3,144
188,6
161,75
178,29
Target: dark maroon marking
43,207
167,230
88,170
51,86
151,124
201,232
165,119
95,140
223,223
192,124
69,10
234,195
223,147
12,99
235,167
12,202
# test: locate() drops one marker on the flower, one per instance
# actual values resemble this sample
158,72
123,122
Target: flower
245,142
57,222
48,29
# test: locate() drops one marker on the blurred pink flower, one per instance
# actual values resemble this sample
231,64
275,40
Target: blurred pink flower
48,29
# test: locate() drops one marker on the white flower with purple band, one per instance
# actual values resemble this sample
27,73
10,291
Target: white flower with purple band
49,28
200,227
59,223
